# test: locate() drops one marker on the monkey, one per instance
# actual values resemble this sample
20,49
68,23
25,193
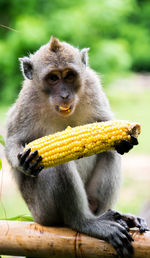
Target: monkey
59,90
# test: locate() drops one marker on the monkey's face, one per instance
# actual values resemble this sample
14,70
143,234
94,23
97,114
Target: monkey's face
62,87
57,69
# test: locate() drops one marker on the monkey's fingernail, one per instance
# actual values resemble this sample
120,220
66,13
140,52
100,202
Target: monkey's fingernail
27,151
39,158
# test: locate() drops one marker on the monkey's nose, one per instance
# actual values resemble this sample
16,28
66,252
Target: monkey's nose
65,95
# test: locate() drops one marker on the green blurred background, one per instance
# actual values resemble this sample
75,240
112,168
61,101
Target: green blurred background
118,34
117,31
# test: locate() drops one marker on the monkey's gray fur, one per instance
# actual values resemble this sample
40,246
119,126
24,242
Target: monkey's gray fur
77,193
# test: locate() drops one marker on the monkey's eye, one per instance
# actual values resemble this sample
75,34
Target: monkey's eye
53,78
70,76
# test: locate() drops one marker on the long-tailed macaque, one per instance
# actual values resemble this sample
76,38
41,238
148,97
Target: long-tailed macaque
60,89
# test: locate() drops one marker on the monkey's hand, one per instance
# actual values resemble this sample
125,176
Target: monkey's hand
29,163
126,220
125,146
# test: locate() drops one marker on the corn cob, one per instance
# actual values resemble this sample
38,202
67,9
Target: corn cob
82,141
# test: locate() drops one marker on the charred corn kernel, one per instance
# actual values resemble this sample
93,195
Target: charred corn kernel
82,141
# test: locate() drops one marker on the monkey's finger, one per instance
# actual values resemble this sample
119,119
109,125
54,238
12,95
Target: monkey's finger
19,156
35,163
123,223
119,148
123,146
24,155
127,246
127,234
116,243
111,215
122,244
142,225
134,140
38,170
133,221
30,158
126,146
127,249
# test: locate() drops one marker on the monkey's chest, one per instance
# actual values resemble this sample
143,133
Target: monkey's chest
85,167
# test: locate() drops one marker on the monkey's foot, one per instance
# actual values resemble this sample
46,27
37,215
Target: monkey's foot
125,146
126,220
29,162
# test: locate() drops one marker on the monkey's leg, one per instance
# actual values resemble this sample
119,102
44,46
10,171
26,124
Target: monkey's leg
38,192
71,203
58,196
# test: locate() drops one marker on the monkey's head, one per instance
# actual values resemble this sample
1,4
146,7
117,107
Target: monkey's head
58,70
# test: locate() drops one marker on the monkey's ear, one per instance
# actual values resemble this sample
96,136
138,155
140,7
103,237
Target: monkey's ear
54,44
84,55
26,67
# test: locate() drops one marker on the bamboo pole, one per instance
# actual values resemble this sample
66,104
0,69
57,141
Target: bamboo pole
34,240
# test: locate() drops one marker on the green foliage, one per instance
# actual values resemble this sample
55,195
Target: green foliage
20,218
116,31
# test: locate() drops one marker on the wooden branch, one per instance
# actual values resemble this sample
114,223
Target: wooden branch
34,240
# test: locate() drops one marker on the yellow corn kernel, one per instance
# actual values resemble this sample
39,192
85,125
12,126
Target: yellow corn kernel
82,141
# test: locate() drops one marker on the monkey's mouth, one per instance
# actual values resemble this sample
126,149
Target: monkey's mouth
64,110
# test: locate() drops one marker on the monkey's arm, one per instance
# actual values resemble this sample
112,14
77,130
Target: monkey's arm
13,147
103,189
104,184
